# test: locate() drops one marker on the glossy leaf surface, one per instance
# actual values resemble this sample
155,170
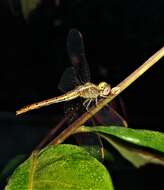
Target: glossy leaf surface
134,154
61,167
141,137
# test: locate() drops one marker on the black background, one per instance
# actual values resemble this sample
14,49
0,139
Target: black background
119,36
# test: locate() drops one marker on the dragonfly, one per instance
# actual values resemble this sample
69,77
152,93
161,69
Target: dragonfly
82,87
75,84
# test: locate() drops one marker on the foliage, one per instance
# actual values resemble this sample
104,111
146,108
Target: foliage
60,167
131,143
72,167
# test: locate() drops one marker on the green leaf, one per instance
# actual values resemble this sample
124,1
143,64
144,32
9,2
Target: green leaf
141,137
94,151
61,167
134,154
28,6
100,153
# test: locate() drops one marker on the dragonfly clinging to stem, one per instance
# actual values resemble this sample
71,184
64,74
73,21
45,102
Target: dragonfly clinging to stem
85,89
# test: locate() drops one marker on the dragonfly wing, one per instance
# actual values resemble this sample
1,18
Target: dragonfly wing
76,52
109,116
92,143
75,107
68,80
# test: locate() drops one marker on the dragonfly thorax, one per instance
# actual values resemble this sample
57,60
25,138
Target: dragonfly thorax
104,89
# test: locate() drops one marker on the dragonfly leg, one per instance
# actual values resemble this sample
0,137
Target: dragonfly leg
96,100
87,103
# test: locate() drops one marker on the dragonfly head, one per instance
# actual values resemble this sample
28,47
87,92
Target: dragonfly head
104,88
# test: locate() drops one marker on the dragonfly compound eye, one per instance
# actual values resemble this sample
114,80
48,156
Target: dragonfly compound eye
106,91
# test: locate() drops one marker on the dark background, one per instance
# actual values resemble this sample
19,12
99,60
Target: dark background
119,36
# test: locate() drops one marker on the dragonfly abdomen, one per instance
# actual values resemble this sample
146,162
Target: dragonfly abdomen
65,97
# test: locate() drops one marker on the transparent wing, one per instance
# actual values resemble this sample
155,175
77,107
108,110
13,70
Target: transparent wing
68,80
76,52
109,116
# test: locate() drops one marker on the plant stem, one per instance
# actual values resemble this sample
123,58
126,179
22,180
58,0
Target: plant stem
121,86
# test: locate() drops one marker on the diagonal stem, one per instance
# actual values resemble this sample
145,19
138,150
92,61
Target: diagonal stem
121,86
